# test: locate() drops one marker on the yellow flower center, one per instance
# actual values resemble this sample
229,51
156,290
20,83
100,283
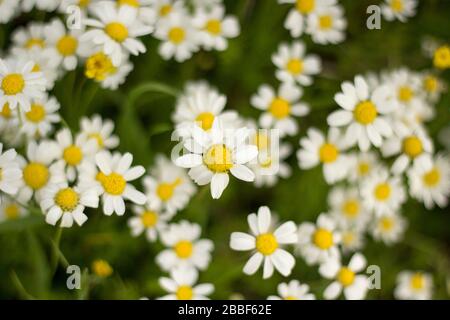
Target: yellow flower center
431,84
6,111
12,211
397,5
348,238
83,3
116,31
328,153
36,175
323,238
346,276
36,68
417,281
177,35
149,219
325,22
67,199
184,293
218,158
442,57
365,112
305,6
386,223
165,190
351,208
412,146
101,268
266,243
165,10
184,249
73,155
214,26
405,94
382,191
99,66
113,184
363,168
67,45
36,113
432,177
97,137
35,42
13,84
131,3
280,108
295,66
261,140
290,298
265,162
206,120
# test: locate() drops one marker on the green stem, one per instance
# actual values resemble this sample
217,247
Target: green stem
20,288
56,252
149,87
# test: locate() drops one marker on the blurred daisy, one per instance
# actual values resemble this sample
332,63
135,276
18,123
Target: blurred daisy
327,25
433,86
352,238
166,8
11,209
431,186
293,65
215,154
185,249
101,268
181,285
347,208
293,290
364,114
389,228
99,130
83,5
441,57
10,174
29,38
414,286
280,107
168,188
346,278
316,149
362,165
44,5
271,166
59,201
8,118
318,242
399,9
117,76
407,87
147,220
8,8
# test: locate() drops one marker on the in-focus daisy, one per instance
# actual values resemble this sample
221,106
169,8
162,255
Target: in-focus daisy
346,278
101,131
266,242
99,67
362,165
8,8
414,285
60,201
168,187
364,114
383,193
318,242
280,107
293,290
441,57
316,149
10,174
216,153
182,285
185,249
346,206
293,65
147,220
389,228
327,25
11,209
431,186
399,9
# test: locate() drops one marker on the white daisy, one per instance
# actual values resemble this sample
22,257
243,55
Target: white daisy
399,9
266,242
8,119
293,65
8,9
11,209
345,278
181,285
185,249
29,38
346,206
280,107
10,174
327,25
166,8
364,114
117,76
414,285
271,166
149,220
293,290
44,5
352,238
83,5
389,228
362,165
101,131
433,86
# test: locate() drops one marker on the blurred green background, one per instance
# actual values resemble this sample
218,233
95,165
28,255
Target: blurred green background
27,246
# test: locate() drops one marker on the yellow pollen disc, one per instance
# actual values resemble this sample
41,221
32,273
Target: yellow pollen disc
12,211
183,249
35,42
266,162
13,84
99,66
417,281
325,22
290,298
67,199
83,3
397,5
67,45
131,3
328,153
184,293
382,191
351,208
348,238
405,94
431,83
177,35
412,146
113,184
35,175
386,223
295,66
36,68
363,168
365,112
98,138
6,111
214,26
116,31
266,243
206,120
280,108
218,158
165,190
36,113
441,58
102,268
346,276
149,219
305,6
261,140
73,155
432,177
323,239
165,10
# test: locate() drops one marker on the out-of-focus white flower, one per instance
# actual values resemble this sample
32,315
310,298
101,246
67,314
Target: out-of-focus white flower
11,209
327,25
99,130
346,206
414,285
362,165
271,166
389,228
44,5
8,8
399,9
10,174
29,38
352,238
149,221
293,290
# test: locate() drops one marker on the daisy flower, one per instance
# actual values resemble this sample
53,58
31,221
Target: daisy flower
364,114
147,220
11,209
19,84
318,242
316,149
117,76
60,201
116,30
214,154
181,285
168,188
399,9
99,67
346,206
412,285
44,5
408,89
83,5
10,174
352,238
271,166
280,107
433,86
431,186
441,57
327,25
362,165
383,193
293,290
29,38
389,228
8,118
8,9
215,28
293,65
166,8
266,242
101,268
99,130
185,249
346,278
